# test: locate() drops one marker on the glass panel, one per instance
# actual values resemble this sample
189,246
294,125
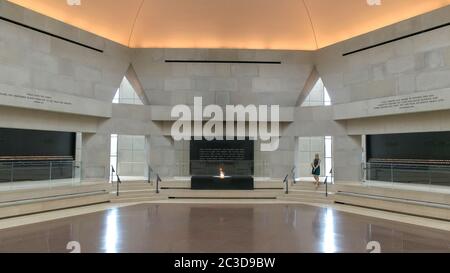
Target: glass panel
328,147
308,147
116,97
327,99
317,146
413,174
19,175
126,94
113,145
113,156
131,157
318,96
328,165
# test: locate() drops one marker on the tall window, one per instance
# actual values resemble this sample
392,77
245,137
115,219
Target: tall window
328,156
113,154
127,155
131,157
310,146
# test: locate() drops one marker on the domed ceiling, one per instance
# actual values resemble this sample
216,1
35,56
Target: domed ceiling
249,24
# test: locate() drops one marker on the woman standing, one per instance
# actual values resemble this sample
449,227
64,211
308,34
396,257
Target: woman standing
316,170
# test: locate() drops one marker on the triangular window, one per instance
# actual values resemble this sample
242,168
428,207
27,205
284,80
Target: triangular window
318,96
126,94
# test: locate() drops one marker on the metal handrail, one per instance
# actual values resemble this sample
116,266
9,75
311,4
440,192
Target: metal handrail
149,175
326,182
434,166
430,174
412,161
158,178
412,170
113,171
37,163
293,175
17,169
286,181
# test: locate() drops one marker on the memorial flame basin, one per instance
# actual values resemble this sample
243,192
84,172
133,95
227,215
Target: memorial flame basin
226,183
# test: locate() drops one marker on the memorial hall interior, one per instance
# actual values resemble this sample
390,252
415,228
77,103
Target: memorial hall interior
356,96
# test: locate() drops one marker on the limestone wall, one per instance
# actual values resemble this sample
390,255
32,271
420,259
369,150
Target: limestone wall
32,61
418,63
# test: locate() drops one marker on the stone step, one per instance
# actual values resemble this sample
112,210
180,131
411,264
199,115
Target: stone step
134,186
134,193
308,194
309,186
305,197
311,191
139,199
52,203
223,194
139,182
308,201
317,196
406,206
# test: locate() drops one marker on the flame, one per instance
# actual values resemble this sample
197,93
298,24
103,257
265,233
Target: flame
222,173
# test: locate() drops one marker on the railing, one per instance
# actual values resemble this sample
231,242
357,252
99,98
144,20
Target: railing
158,180
118,182
293,175
152,174
326,181
328,177
131,170
286,182
286,179
401,173
38,173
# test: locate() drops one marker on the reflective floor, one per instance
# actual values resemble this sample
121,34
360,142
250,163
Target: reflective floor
222,228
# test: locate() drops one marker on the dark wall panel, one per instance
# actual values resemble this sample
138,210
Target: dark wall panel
17,142
417,146
236,157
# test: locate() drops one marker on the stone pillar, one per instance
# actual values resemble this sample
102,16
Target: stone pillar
182,158
347,158
278,163
161,155
95,155
297,164
261,161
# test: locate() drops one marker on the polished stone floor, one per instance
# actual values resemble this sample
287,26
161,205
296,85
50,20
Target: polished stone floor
222,228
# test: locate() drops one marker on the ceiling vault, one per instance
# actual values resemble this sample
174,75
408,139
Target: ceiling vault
311,22
134,22
231,24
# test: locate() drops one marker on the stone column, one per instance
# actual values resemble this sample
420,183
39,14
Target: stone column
95,155
347,158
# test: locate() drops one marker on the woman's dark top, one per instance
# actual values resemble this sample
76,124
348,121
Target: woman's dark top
317,166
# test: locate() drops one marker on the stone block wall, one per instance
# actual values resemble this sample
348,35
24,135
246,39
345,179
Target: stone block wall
415,64
30,59
222,83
